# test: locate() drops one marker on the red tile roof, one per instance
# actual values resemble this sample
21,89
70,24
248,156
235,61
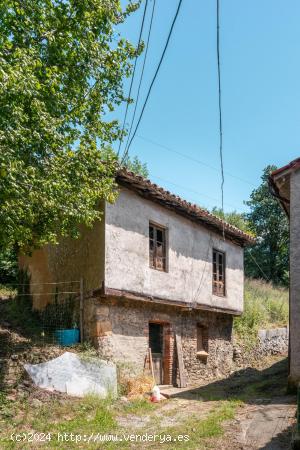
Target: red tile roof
157,194
295,164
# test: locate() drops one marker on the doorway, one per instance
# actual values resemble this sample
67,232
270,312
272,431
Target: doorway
156,343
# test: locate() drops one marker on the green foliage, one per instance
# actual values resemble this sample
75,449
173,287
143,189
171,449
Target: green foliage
212,426
138,406
6,407
62,69
8,265
233,218
136,166
18,312
265,306
87,415
269,223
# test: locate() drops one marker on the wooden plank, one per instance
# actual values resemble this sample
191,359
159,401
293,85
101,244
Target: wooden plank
81,310
151,364
182,378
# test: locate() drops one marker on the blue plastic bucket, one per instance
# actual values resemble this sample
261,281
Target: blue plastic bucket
67,337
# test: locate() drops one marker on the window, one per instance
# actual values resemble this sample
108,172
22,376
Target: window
218,273
202,341
157,247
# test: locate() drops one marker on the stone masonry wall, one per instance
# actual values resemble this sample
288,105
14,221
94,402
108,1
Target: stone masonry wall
274,341
120,331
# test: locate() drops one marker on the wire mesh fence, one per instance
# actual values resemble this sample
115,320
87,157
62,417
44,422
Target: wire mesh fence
40,315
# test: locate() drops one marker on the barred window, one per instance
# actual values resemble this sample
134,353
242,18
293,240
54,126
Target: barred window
218,273
157,247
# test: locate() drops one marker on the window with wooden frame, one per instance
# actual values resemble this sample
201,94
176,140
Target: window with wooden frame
157,247
219,269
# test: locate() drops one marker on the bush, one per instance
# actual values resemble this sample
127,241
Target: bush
265,306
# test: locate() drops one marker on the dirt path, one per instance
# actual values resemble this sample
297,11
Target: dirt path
266,415
266,426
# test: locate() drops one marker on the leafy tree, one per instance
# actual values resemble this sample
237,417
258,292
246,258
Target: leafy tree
136,166
61,70
234,218
269,257
8,266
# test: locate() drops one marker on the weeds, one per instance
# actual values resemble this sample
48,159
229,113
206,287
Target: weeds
6,407
265,306
197,433
138,406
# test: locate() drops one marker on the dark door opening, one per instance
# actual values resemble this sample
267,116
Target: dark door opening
156,333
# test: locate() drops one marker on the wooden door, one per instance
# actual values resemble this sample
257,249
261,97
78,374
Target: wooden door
156,345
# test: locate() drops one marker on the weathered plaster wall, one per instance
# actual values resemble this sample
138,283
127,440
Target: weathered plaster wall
68,261
189,276
120,331
295,277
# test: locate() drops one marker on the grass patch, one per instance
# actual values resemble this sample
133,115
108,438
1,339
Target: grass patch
201,432
94,415
212,426
6,407
138,406
78,416
86,415
265,306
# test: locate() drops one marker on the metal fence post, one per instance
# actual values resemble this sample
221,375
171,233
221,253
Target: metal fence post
81,310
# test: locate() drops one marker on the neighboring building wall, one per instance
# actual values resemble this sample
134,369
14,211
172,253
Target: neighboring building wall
120,328
294,376
189,275
68,261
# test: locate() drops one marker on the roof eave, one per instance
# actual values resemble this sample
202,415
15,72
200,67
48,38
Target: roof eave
152,192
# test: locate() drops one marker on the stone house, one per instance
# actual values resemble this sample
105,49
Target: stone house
285,185
156,270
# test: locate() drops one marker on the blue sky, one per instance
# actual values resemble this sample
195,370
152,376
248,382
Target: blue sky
260,64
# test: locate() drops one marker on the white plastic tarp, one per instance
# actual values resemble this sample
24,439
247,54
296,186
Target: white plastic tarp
75,375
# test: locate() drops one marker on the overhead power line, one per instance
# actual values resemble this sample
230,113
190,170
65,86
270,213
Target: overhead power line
154,78
133,73
142,74
191,158
220,109
187,189
261,270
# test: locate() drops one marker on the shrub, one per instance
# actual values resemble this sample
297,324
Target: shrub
265,306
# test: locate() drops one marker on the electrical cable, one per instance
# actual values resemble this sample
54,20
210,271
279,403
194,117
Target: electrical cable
153,79
191,158
142,74
220,104
133,73
263,273
220,111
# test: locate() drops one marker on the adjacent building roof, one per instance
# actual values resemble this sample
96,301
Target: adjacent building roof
279,182
148,190
295,164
